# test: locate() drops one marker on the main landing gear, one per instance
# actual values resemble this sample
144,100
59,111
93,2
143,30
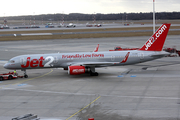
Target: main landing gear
92,72
25,75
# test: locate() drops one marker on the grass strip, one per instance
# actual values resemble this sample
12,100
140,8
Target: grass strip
72,36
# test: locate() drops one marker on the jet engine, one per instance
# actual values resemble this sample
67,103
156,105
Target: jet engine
76,70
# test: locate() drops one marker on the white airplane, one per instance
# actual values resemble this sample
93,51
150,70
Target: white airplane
82,62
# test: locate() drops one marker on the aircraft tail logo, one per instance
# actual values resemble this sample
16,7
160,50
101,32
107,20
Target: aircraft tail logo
156,41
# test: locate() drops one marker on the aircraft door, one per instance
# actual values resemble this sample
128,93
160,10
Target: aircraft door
141,56
112,58
22,61
55,59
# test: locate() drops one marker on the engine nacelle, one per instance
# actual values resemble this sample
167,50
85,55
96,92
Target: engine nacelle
76,70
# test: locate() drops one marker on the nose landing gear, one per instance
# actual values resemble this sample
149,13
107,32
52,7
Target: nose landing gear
25,75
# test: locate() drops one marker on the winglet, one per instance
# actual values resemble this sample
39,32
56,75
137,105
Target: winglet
156,41
96,49
126,57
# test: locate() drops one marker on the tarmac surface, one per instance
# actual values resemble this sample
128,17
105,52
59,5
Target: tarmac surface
126,92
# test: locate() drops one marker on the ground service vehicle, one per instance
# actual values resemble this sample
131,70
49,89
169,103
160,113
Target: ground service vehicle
8,76
71,25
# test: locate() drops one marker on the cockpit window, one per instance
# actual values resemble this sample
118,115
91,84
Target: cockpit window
12,61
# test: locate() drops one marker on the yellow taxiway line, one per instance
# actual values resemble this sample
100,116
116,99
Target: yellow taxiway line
83,108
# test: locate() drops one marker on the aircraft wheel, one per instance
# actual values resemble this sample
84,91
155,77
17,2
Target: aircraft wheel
25,76
94,74
91,74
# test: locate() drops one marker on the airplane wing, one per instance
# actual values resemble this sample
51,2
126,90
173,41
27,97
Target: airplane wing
98,63
92,63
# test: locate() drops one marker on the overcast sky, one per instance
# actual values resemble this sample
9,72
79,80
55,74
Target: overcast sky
34,7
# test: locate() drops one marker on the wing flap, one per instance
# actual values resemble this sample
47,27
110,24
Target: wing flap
93,63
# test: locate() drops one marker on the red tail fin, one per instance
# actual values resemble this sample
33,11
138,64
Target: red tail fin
156,41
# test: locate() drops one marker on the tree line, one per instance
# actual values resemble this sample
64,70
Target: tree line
98,16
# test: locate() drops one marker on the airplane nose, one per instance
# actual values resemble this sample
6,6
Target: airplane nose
6,66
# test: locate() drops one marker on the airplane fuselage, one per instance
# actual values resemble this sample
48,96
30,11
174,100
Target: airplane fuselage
63,60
